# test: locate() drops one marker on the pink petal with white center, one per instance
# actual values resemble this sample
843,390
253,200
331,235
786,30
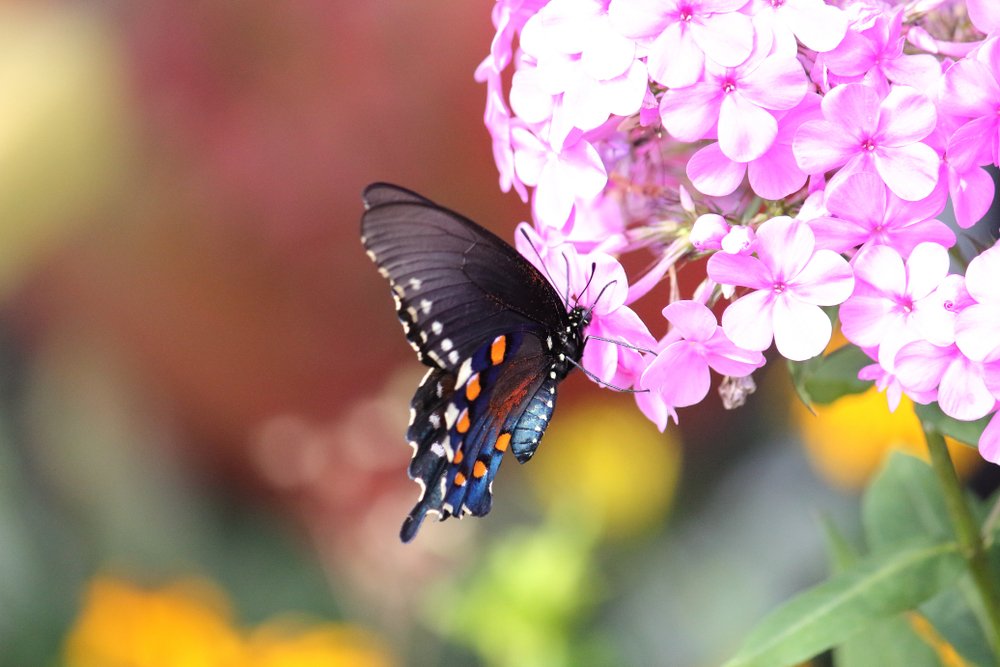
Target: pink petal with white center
983,276
827,280
906,116
969,90
926,267
713,174
689,113
866,319
675,60
976,331
921,365
680,374
817,25
801,330
911,172
776,174
962,393
785,247
744,270
748,321
860,198
777,83
989,441
694,320
985,15
725,38
820,145
972,194
745,130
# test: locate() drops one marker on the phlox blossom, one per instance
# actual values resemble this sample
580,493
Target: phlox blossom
865,133
679,374
791,280
971,89
891,304
962,391
818,25
978,325
680,33
864,212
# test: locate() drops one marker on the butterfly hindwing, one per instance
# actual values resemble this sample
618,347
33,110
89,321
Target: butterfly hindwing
455,283
482,418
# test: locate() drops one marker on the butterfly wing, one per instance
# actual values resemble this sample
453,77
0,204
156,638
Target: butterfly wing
455,283
464,424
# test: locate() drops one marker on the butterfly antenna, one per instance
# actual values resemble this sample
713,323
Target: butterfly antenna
600,294
566,260
545,268
618,342
606,384
593,272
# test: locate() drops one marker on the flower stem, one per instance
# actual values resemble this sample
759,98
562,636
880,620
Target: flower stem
967,531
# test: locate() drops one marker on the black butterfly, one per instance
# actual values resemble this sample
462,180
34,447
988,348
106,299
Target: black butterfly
496,334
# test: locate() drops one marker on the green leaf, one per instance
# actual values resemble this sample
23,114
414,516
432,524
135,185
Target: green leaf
825,379
965,432
904,504
842,553
828,614
887,643
951,614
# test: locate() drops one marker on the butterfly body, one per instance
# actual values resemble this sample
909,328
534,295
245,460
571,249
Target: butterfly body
497,336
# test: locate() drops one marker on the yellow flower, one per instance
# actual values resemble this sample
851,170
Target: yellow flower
611,463
189,624
847,440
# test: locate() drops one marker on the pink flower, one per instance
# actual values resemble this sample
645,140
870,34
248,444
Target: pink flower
680,33
890,384
737,98
817,25
679,373
867,213
972,89
866,134
558,177
596,281
976,331
962,392
792,280
985,15
989,441
708,231
890,306
773,175
584,27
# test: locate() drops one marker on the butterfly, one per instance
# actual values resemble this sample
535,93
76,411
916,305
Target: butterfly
497,336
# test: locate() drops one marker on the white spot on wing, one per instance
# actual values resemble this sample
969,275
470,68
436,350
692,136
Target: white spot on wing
423,488
398,290
437,328
437,450
446,344
453,356
413,313
463,373
425,306
450,415
415,283
435,420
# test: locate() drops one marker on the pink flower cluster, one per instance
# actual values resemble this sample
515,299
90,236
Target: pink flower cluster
796,143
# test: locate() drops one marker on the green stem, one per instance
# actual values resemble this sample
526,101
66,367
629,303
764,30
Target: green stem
967,531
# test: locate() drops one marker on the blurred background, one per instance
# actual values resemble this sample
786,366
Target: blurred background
203,388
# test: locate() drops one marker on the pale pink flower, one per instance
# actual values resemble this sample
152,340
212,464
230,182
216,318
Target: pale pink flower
559,177
971,89
864,212
739,240
791,281
985,15
978,325
890,306
497,120
891,385
773,175
738,99
680,33
989,441
584,27
708,231
817,25
679,373
865,133
962,391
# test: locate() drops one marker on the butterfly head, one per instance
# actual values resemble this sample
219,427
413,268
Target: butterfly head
572,339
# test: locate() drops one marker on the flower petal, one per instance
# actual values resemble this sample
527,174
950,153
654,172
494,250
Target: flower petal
748,321
694,320
746,131
827,280
714,174
801,330
744,270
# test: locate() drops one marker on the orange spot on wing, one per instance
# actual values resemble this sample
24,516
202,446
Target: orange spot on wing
498,349
479,469
459,479
502,442
463,422
458,457
472,388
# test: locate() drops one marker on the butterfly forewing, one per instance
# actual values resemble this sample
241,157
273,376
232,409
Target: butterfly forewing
455,283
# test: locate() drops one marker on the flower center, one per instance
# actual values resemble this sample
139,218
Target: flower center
685,13
868,145
777,3
907,305
779,288
728,86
